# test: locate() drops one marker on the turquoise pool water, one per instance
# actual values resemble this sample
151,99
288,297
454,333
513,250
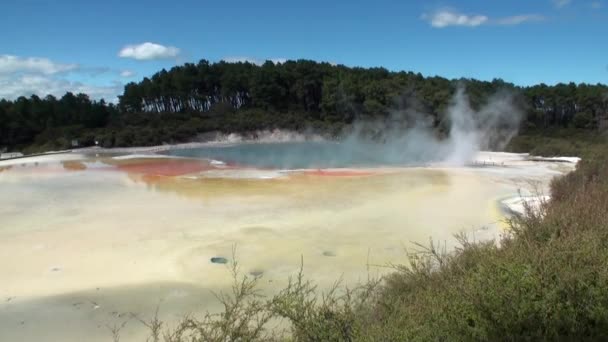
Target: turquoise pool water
301,155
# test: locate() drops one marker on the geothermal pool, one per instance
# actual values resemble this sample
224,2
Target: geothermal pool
309,154
86,239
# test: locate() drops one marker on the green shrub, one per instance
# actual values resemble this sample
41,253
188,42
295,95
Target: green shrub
582,120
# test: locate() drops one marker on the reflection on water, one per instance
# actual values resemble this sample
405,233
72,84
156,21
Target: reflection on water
310,186
82,229
163,167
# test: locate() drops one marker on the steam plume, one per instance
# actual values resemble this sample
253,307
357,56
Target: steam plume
408,137
469,131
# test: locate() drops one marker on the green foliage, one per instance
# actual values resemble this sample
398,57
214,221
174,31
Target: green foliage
547,281
49,123
300,95
582,120
559,142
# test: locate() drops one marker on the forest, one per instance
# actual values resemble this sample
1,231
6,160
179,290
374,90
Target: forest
187,100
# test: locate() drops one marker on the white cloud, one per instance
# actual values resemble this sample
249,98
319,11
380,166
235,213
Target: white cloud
255,61
149,51
24,76
11,87
13,64
127,73
519,19
446,17
561,3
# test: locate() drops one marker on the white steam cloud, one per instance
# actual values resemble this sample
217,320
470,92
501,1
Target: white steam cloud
409,136
492,127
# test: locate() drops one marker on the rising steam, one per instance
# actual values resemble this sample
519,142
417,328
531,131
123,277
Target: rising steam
469,131
408,137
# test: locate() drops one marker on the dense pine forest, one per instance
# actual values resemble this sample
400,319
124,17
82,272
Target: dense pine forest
177,105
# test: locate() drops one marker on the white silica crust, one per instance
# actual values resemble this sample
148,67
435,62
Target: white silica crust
86,238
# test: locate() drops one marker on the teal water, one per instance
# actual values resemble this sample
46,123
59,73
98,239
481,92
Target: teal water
301,155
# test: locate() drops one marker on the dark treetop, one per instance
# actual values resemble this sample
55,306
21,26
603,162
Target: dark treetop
178,104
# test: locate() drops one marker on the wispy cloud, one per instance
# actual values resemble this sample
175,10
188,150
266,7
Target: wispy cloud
561,3
149,51
445,18
448,17
26,76
519,19
14,64
596,5
42,85
252,60
127,73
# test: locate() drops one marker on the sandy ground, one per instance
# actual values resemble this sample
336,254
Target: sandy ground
86,242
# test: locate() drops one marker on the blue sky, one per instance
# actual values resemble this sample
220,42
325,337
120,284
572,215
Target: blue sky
98,46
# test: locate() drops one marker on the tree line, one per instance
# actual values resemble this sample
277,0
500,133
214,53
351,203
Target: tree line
38,121
176,104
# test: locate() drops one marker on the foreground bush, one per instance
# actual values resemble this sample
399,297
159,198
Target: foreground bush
548,280
558,142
